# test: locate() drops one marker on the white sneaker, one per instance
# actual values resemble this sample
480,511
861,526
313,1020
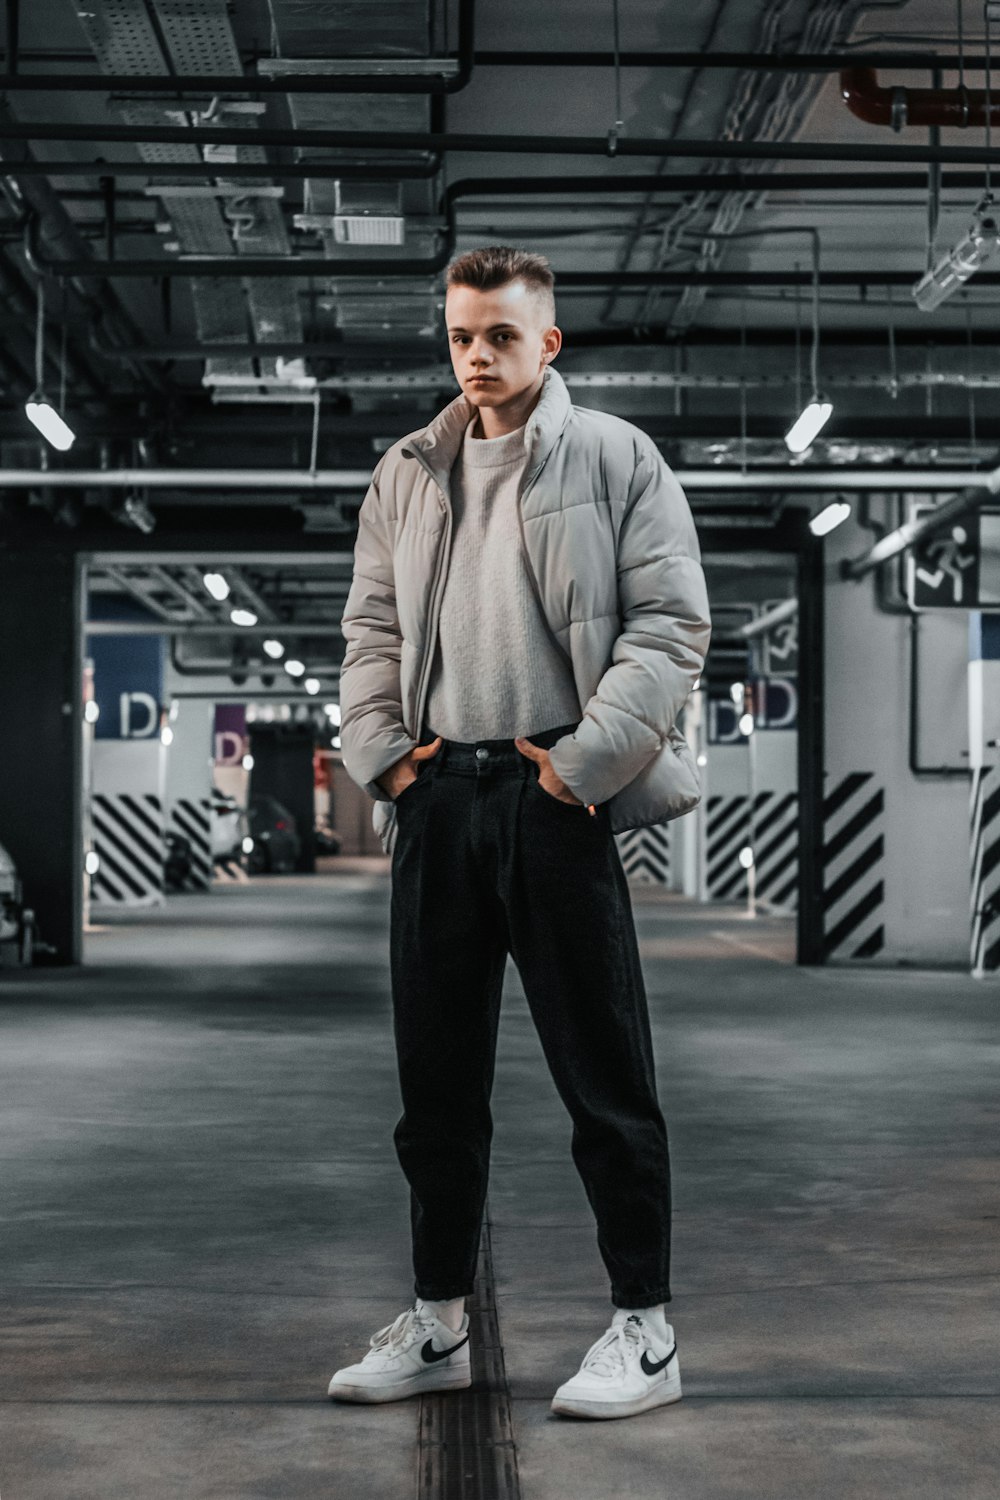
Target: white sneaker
414,1354
628,1370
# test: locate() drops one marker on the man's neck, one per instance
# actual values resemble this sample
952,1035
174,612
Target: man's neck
497,421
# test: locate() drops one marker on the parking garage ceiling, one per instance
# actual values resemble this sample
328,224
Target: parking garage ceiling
238,216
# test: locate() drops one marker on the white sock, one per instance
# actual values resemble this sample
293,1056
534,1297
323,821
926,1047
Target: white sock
656,1317
450,1313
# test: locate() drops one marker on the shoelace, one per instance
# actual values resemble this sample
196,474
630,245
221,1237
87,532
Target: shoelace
611,1351
393,1336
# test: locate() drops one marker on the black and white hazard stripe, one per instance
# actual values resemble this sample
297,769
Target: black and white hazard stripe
984,843
128,841
726,832
775,843
776,849
191,817
853,868
645,854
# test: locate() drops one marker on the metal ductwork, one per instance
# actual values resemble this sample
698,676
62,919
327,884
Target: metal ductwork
899,107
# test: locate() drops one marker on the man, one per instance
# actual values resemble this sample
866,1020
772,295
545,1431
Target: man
526,620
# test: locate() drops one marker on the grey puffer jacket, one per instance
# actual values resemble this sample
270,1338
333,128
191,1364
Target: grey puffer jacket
612,554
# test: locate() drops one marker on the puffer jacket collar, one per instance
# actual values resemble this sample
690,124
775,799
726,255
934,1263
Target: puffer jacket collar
438,445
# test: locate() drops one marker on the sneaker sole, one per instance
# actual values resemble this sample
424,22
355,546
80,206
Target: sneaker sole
570,1406
415,1385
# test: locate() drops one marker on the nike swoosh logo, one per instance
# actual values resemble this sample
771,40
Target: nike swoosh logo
653,1367
432,1355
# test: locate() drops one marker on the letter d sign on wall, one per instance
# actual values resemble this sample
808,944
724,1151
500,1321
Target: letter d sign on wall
140,716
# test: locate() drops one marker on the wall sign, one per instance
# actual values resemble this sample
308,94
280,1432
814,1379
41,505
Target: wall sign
775,706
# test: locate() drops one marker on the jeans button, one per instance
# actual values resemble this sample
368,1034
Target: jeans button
482,754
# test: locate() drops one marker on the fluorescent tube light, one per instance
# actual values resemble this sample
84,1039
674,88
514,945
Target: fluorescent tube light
959,264
830,516
803,432
49,423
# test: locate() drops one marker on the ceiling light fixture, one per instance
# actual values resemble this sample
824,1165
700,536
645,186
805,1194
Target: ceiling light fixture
808,425
295,668
830,516
243,617
274,649
216,585
38,408
311,684
941,279
967,257
818,411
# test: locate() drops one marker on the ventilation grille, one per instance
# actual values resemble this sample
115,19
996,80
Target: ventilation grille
368,229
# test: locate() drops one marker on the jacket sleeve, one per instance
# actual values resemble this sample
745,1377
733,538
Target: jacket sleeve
658,655
372,736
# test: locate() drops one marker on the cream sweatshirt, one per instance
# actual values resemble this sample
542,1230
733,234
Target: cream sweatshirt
497,672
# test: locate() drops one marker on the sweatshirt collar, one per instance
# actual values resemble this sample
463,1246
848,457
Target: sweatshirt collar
437,447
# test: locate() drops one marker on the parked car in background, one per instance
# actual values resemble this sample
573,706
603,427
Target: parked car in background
17,922
226,825
273,837
177,861
328,840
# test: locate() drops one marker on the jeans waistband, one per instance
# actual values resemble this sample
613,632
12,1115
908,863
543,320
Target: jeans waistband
481,756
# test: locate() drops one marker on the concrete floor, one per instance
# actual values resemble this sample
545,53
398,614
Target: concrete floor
202,1217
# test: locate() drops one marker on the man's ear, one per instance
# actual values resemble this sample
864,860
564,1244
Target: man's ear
551,344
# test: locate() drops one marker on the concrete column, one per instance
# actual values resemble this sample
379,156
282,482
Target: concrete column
189,766
41,739
984,759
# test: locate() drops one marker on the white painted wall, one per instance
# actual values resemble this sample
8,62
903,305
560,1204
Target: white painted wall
189,758
866,711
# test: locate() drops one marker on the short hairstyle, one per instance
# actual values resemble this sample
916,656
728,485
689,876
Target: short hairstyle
493,266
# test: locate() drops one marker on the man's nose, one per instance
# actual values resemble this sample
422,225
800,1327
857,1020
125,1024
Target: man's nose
481,356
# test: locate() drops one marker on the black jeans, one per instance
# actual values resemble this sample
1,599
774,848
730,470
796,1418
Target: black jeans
486,863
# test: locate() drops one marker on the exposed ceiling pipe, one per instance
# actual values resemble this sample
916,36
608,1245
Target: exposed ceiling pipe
440,377
292,630
956,108
581,338
376,170
206,422
912,532
368,268
493,145
714,479
37,198
301,83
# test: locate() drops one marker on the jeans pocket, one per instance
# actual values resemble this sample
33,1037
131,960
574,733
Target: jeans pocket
421,776
574,807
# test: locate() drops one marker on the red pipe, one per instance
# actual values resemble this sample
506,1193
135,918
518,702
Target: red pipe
898,107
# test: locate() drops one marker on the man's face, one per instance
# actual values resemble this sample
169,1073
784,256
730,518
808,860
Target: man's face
500,341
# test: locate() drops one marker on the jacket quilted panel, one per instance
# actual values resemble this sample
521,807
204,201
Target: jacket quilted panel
611,550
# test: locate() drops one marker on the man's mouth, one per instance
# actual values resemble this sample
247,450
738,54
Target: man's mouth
474,379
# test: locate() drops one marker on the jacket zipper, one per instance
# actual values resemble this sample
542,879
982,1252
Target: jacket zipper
432,616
